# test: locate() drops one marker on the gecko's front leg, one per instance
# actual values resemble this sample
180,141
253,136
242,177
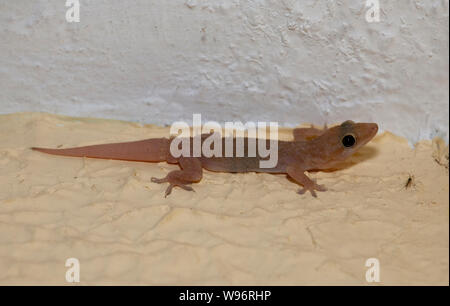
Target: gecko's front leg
191,172
298,174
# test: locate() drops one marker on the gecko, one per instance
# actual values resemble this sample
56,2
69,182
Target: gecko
311,149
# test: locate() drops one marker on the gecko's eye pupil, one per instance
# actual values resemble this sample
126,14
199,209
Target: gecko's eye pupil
348,141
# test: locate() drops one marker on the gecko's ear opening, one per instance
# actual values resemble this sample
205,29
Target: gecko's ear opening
348,140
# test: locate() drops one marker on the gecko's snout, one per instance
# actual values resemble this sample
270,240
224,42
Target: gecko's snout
369,131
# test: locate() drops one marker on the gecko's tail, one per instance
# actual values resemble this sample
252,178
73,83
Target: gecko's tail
150,150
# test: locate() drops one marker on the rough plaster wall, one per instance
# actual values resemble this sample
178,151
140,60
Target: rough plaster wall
289,61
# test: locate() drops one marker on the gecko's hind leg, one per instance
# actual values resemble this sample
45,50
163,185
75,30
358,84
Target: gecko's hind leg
191,172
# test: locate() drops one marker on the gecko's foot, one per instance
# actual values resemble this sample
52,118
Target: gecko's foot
312,188
159,181
171,185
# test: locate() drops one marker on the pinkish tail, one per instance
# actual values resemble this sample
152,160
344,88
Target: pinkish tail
150,150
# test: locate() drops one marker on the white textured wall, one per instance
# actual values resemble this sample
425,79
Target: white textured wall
286,60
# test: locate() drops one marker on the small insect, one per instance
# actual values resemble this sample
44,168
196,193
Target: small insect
410,182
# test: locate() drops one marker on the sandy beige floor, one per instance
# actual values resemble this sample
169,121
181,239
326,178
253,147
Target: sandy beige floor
235,229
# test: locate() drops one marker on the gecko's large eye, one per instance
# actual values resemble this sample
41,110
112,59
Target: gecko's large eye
348,141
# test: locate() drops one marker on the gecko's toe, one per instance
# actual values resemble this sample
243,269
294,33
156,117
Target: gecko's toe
158,181
168,190
188,188
312,190
320,188
301,191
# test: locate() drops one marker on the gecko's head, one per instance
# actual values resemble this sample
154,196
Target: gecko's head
345,139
